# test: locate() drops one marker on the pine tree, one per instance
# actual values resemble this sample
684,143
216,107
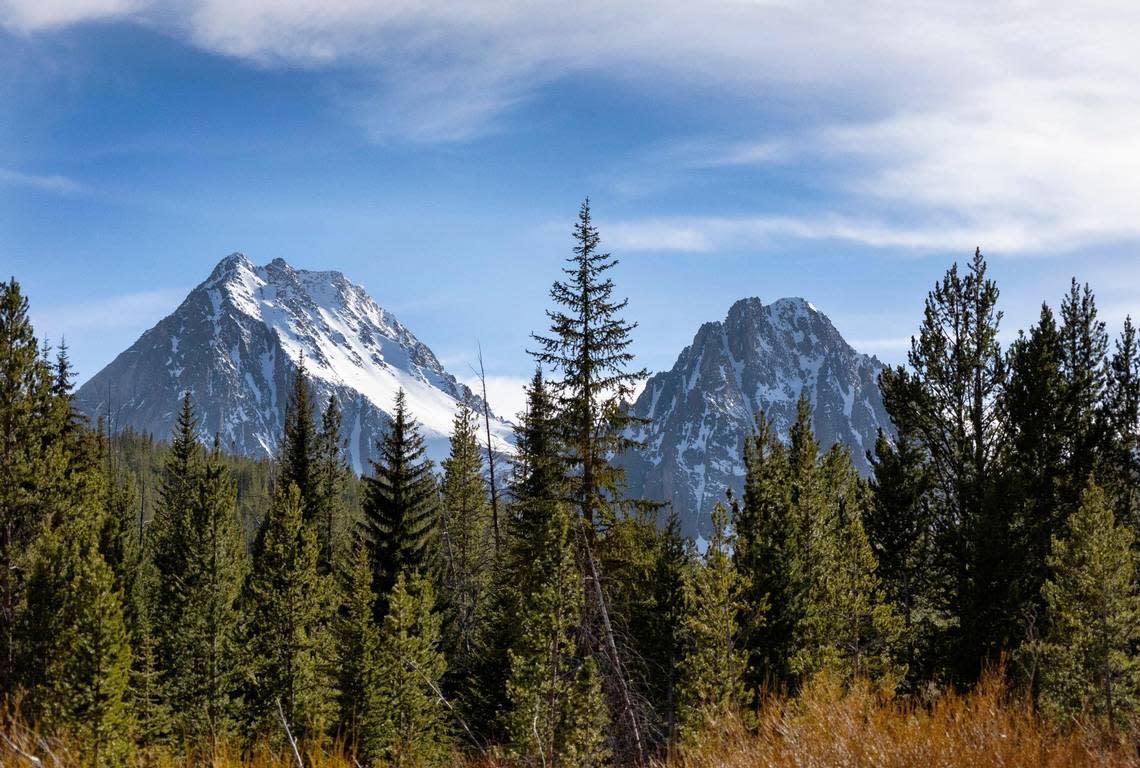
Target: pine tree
767,540
949,402
712,685
1122,466
556,715
331,473
1035,421
537,483
408,726
289,605
589,344
25,383
848,626
358,639
401,506
1084,374
898,523
171,538
299,444
1094,616
205,676
468,548
84,647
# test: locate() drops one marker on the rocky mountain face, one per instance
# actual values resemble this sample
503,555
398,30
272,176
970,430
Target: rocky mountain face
760,358
235,342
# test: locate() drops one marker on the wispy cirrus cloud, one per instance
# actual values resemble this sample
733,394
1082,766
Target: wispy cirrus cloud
45,182
1010,124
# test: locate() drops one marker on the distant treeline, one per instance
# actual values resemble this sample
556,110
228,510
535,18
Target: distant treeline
168,599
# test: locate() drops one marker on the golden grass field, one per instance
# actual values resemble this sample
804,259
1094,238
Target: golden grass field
826,726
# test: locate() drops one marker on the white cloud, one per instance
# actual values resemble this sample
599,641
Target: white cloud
1013,122
48,183
30,15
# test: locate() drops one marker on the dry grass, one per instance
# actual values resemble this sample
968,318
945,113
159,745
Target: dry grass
827,726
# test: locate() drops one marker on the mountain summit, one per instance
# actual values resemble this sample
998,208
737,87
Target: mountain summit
234,344
760,358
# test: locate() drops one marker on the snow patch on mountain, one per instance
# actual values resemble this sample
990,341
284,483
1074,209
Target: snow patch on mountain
759,359
236,340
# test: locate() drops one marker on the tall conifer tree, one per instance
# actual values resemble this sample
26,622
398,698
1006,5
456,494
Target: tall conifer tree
290,605
401,506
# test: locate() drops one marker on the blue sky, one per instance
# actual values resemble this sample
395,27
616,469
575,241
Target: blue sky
437,154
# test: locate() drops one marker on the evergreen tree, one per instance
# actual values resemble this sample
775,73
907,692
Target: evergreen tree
331,474
537,484
589,344
289,607
1084,374
712,670
171,540
25,436
401,506
408,725
299,444
556,715
898,524
358,639
767,540
1122,466
1036,424
848,627
205,674
467,547
1094,616
948,401
84,647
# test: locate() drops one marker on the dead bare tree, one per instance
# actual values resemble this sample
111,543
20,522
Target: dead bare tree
490,453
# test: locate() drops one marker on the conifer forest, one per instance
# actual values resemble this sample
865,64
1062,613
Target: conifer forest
972,600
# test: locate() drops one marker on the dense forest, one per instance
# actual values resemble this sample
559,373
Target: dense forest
165,598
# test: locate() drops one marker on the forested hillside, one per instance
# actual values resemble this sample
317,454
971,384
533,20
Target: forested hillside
163,602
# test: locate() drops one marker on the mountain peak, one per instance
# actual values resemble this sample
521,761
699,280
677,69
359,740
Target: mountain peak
760,358
236,340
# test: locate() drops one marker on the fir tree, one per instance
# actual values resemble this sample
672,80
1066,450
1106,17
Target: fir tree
1094,615
358,639
205,676
589,345
408,724
712,686
767,540
84,647
401,506
467,547
171,541
1035,421
331,474
289,607
25,386
848,627
898,523
299,444
556,715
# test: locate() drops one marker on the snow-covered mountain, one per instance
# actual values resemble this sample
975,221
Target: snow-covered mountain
761,357
235,342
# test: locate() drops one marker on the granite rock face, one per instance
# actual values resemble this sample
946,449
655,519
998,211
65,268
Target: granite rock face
758,359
